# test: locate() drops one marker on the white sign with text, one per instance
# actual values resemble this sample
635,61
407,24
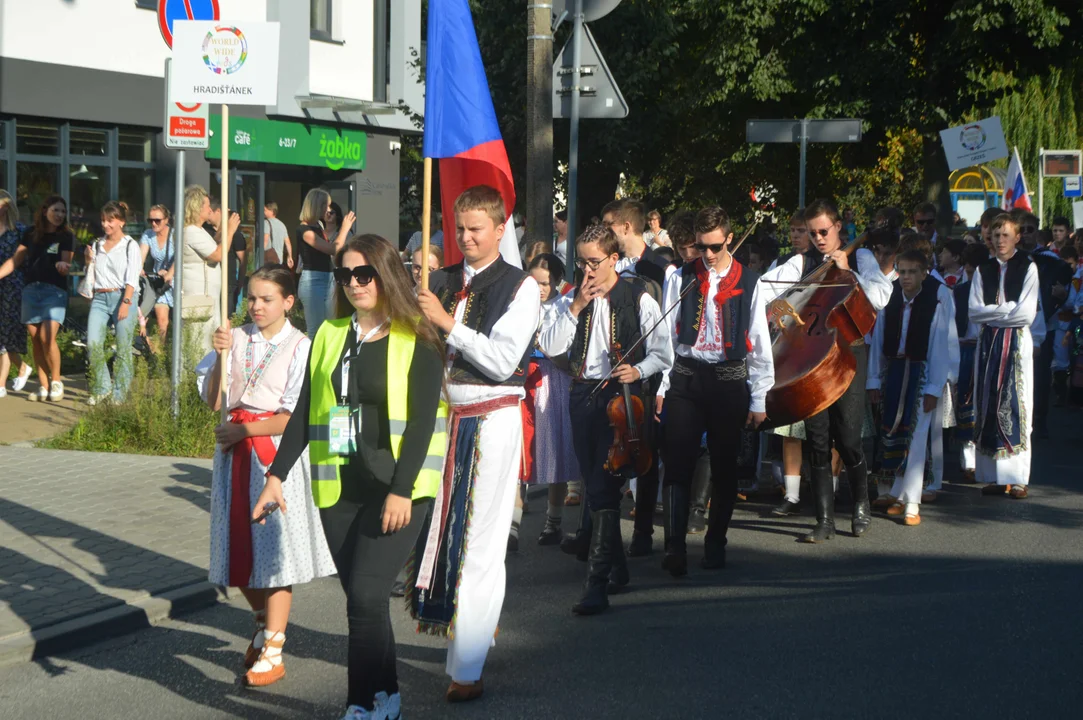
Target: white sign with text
974,143
216,62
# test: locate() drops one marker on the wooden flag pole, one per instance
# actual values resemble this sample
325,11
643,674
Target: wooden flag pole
223,232
426,217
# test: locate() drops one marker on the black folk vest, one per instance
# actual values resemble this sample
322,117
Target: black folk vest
1013,278
624,326
487,299
922,312
735,313
962,307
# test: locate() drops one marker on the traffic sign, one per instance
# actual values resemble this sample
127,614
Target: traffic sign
789,131
599,96
592,9
186,124
170,11
1073,186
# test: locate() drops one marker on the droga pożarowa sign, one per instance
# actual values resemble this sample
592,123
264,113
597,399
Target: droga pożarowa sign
219,62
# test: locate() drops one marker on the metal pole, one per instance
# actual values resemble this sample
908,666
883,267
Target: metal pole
573,149
804,154
178,265
223,264
1041,186
984,188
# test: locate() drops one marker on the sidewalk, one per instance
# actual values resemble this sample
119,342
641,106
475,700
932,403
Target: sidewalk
94,545
22,421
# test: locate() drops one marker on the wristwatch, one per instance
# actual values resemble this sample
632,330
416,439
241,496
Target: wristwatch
127,301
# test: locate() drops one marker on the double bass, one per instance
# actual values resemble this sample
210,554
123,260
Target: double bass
814,324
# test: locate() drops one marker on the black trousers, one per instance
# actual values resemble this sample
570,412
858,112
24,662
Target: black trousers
368,562
1043,378
841,423
705,402
591,438
647,484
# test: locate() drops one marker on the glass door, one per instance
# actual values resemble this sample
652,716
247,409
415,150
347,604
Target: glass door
341,193
247,198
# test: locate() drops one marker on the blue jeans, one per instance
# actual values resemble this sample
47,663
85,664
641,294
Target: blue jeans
314,290
103,312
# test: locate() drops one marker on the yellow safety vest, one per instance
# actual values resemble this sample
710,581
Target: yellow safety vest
326,352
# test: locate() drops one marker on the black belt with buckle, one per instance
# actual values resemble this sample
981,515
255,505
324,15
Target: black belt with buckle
728,370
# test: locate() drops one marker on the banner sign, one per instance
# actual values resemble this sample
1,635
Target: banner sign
974,144
229,64
288,143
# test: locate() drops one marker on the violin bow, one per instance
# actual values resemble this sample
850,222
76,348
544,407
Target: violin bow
680,298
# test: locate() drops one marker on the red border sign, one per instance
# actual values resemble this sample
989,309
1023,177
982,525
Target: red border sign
164,24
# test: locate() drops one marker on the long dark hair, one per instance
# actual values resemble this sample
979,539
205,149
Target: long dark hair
395,285
552,263
40,221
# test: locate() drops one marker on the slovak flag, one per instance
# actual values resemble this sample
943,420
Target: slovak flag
1015,186
460,122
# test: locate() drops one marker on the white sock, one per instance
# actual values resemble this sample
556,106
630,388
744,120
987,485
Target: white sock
912,508
793,488
835,482
516,518
271,655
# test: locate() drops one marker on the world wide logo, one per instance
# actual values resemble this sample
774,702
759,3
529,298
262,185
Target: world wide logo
224,50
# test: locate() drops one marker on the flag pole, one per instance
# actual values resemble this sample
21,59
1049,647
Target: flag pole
223,263
426,217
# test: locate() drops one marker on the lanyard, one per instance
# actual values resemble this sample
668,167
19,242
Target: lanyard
346,387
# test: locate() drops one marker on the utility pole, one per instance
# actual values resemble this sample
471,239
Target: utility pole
539,120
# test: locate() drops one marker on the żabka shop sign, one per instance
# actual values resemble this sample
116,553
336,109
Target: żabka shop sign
288,143
220,63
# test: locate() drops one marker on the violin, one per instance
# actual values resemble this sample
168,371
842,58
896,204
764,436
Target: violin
814,325
628,456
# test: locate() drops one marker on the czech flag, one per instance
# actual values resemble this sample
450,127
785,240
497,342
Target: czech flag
460,122
1015,186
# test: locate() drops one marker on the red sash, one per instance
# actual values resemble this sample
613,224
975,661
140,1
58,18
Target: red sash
240,510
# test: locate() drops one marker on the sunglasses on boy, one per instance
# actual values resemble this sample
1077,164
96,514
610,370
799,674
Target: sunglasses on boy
363,274
715,249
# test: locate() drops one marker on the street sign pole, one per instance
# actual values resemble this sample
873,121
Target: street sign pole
1041,187
178,279
801,172
573,150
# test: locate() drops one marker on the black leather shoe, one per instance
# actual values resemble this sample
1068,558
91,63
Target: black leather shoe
824,494
641,545
550,535
595,598
714,557
697,522
786,509
513,544
861,517
675,563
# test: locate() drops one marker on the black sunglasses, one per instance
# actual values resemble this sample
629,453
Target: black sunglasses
822,233
363,274
1027,230
715,249
926,221
155,221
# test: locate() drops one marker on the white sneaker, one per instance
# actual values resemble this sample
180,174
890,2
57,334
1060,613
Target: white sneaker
20,382
56,391
3,392
356,712
41,396
388,708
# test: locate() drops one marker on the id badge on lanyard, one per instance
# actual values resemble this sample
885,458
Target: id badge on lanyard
344,423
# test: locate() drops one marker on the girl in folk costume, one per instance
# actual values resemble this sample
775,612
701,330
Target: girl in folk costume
908,368
264,377
555,464
1003,302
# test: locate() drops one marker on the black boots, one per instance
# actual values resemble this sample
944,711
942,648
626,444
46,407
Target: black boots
859,487
595,597
619,578
675,522
578,544
701,495
823,494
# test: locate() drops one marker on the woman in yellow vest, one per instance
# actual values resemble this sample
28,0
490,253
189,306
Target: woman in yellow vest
372,416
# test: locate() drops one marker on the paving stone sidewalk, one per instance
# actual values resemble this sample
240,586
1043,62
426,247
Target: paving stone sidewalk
86,533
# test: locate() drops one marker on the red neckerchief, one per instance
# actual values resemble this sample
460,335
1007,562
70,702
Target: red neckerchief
727,284
461,295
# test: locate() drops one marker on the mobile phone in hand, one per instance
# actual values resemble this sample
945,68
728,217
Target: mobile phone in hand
267,510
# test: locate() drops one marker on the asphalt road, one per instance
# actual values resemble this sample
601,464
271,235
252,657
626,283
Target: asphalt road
976,613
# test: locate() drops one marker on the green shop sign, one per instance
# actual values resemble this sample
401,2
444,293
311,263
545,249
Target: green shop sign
287,143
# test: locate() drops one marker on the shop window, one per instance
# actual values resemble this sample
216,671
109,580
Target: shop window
135,146
136,187
88,191
33,183
89,143
35,138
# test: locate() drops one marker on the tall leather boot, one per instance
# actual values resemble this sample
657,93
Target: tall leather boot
595,598
701,495
823,493
578,543
859,486
619,577
675,517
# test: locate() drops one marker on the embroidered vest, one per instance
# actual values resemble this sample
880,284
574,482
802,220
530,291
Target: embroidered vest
487,299
326,353
260,385
624,326
962,307
922,311
1013,278
735,313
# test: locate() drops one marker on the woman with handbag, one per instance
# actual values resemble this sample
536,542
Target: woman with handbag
370,414
47,251
157,242
115,259
200,256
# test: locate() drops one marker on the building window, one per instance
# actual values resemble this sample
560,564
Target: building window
88,191
135,146
321,16
34,181
136,188
88,142
36,138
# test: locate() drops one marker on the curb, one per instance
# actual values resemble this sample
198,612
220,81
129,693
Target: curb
105,624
